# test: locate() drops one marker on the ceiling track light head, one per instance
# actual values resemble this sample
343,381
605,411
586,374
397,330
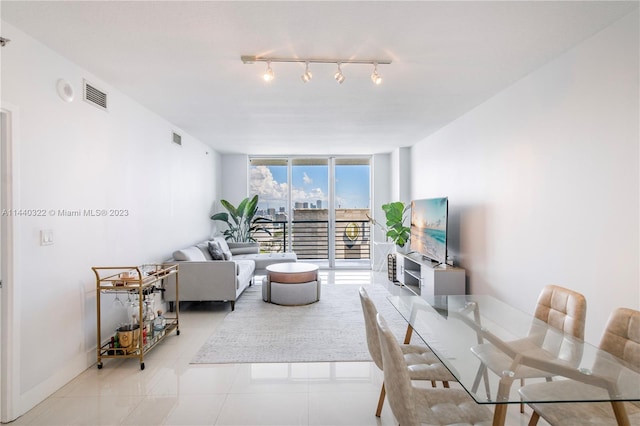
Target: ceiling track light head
268,75
375,77
307,76
338,75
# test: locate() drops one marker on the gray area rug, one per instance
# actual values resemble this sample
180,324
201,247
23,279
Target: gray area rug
329,330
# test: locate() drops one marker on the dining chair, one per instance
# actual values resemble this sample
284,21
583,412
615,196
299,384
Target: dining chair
420,362
621,339
413,405
558,307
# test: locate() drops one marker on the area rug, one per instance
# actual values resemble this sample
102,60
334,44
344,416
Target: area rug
329,330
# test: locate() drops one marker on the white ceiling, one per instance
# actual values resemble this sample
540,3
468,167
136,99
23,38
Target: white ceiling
182,60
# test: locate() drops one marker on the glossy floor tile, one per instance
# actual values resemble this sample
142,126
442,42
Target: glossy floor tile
170,391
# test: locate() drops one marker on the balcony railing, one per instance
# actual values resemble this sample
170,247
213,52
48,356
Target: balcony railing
310,239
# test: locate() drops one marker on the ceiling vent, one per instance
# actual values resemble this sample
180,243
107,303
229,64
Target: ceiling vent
177,139
94,96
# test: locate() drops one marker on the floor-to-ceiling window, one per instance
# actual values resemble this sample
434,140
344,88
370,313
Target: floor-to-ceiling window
318,207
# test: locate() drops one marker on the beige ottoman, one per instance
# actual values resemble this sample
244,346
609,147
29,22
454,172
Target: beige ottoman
291,284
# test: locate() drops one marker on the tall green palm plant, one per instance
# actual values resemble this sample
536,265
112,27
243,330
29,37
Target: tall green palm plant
242,221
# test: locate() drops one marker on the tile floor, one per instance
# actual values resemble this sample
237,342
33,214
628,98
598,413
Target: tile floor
170,391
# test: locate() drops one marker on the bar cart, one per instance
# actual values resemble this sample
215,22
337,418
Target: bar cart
145,329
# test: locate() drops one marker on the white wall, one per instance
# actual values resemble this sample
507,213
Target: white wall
382,183
543,180
74,156
235,169
401,175
382,188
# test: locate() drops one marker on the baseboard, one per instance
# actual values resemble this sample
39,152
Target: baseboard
61,377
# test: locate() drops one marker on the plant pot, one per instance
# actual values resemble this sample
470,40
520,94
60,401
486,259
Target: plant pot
402,249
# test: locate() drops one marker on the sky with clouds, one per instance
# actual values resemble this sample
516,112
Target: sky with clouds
310,184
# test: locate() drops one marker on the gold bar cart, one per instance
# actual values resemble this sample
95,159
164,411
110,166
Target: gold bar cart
139,280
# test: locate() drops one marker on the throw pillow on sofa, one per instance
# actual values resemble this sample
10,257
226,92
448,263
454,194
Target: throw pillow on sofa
215,251
224,246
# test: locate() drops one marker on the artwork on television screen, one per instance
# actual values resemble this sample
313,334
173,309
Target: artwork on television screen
429,228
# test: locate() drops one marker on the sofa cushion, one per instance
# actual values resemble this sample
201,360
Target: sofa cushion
192,253
262,260
215,251
244,269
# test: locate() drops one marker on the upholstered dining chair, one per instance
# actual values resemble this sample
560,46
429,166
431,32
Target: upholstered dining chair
621,339
420,362
413,405
560,308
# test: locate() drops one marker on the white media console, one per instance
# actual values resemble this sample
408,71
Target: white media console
423,276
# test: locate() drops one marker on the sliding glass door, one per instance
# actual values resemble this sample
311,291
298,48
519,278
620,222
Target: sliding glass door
310,199
318,206
350,209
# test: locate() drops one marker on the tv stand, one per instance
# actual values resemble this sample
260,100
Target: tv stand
424,276
433,263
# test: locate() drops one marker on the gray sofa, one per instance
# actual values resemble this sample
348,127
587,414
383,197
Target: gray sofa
205,279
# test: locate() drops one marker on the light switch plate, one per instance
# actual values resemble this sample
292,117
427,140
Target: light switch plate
46,237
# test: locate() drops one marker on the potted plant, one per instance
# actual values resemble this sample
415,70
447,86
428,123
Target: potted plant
396,230
241,221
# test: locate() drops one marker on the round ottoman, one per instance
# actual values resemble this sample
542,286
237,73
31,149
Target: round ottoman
291,284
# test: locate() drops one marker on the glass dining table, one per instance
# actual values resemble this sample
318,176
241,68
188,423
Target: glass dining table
455,327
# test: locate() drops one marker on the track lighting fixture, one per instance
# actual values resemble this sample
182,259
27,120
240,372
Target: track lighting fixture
307,74
338,75
375,77
268,74
306,77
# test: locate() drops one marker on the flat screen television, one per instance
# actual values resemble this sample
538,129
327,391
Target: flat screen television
429,228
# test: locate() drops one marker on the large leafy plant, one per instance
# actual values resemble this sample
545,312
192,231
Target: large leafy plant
396,230
242,222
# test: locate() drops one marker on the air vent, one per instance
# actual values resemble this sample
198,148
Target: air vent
177,139
95,96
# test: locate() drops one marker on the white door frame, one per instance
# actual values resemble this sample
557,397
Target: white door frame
332,211
9,315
